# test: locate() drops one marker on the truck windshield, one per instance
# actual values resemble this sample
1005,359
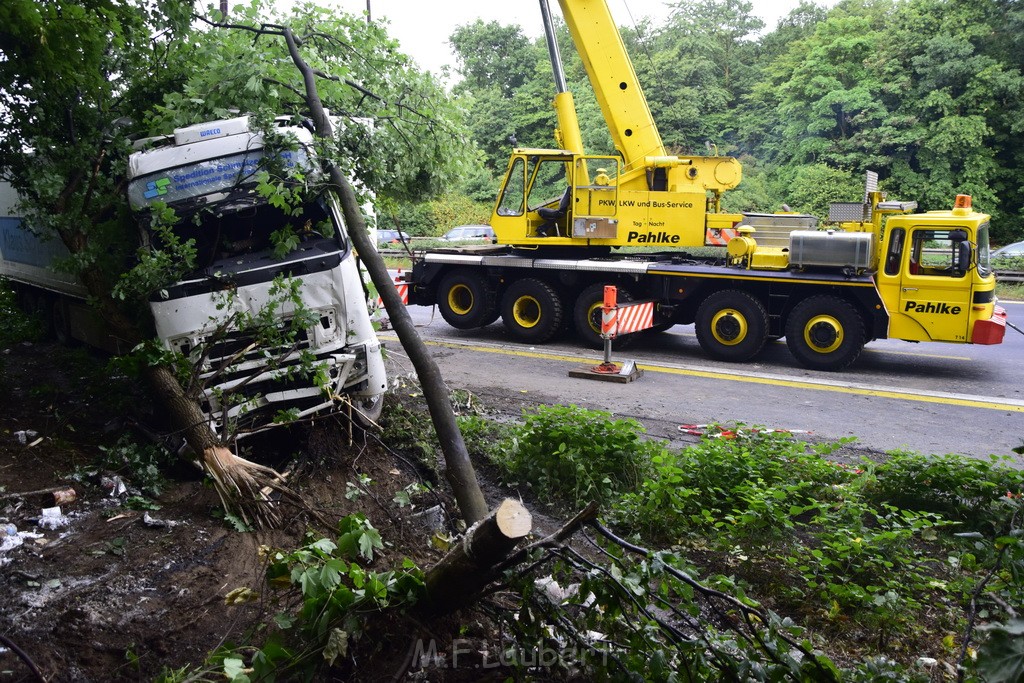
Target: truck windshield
221,233
984,257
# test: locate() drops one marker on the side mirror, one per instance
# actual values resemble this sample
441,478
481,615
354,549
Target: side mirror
964,256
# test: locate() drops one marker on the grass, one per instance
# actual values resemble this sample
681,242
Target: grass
1010,291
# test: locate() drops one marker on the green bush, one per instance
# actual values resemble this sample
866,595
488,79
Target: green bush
749,484
965,489
578,455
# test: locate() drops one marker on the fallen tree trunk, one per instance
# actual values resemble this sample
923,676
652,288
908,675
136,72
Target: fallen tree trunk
459,469
466,569
243,485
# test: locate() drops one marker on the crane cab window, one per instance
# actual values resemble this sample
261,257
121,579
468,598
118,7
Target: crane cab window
892,258
983,260
939,253
548,183
513,194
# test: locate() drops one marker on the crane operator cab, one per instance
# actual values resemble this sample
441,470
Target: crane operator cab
548,197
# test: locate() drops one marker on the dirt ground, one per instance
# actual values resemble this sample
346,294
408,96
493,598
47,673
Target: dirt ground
114,593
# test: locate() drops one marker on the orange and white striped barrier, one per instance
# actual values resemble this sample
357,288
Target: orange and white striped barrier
401,286
610,313
719,237
635,317
628,318
617,320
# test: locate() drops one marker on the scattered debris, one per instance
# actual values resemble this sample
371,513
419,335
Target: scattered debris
11,538
115,485
432,517
41,492
52,518
64,496
155,523
25,435
714,431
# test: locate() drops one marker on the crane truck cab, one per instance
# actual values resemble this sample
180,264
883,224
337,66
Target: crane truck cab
599,204
272,313
936,278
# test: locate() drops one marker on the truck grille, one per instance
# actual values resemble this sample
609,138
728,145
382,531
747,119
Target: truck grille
248,381
243,347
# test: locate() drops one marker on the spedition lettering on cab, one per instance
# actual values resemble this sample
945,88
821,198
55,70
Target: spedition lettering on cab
871,269
660,237
931,307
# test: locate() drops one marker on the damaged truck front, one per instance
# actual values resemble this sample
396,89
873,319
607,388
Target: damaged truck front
271,314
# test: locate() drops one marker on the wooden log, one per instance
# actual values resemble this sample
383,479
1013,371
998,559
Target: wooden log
465,570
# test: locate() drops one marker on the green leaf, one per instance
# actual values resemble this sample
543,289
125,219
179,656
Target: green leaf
337,646
284,621
368,542
1001,656
234,670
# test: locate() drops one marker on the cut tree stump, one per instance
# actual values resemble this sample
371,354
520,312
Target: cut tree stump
465,570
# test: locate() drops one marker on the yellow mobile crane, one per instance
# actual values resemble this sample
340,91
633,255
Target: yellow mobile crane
879,271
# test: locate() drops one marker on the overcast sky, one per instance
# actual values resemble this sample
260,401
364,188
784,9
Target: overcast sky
423,26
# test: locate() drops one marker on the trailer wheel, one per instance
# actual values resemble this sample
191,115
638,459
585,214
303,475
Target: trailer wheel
465,300
732,326
586,315
825,333
532,311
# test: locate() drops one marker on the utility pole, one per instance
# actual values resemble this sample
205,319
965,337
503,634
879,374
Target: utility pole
368,15
224,8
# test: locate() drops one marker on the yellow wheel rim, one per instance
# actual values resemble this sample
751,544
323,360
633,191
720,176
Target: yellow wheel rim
594,316
526,311
823,334
729,327
460,299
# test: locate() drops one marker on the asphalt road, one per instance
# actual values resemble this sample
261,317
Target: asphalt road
929,398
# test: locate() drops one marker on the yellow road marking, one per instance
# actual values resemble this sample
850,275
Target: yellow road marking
749,379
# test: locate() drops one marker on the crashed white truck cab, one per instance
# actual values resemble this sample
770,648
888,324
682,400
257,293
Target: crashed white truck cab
207,174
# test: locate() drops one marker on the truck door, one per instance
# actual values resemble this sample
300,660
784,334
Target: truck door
932,265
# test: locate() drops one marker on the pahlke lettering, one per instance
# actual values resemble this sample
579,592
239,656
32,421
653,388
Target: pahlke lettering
651,237
931,307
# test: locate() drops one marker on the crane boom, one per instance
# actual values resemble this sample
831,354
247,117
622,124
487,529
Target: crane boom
614,79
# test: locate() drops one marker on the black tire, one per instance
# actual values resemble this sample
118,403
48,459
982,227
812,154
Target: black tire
586,315
732,326
532,311
465,300
825,333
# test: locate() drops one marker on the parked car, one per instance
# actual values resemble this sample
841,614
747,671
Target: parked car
1015,250
469,232
386,238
